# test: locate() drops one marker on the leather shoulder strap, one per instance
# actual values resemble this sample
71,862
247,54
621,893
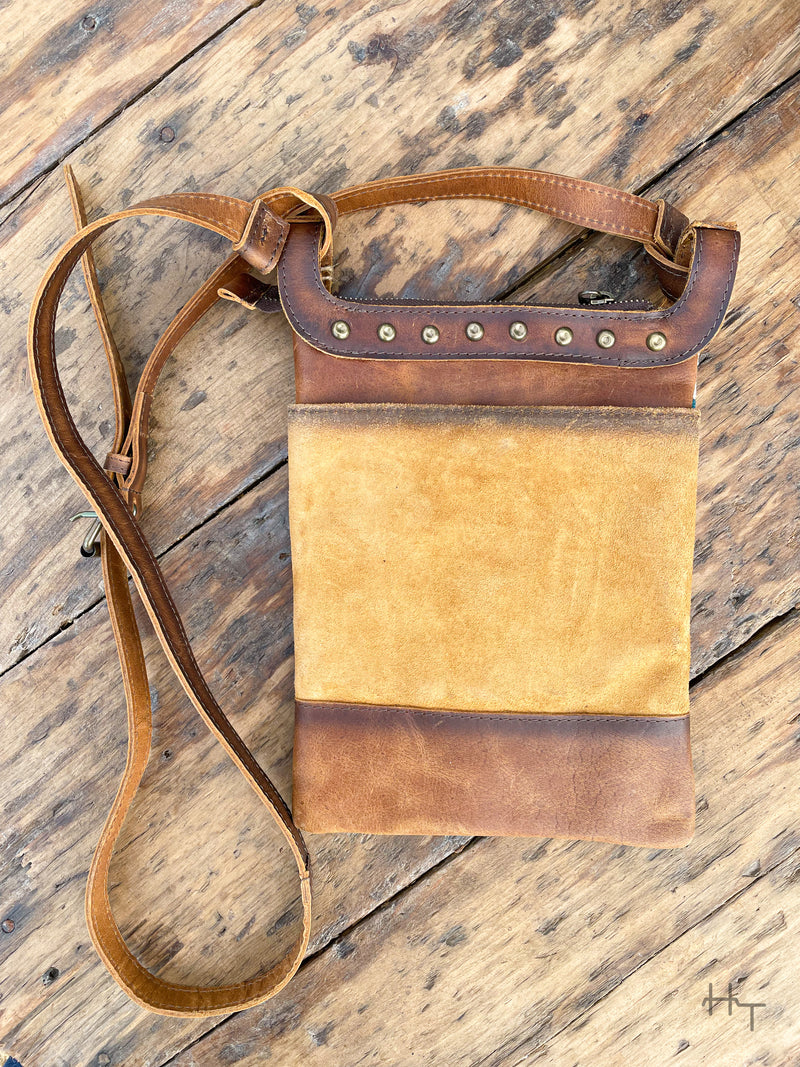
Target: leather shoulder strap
125,549
258,232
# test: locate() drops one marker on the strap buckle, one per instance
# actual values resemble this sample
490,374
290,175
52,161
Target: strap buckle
91,542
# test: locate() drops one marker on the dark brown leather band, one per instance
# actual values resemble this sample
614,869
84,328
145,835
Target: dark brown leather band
686,325
259,232
321,378
379,770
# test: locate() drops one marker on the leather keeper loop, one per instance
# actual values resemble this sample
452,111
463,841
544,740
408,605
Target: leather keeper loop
116,463
670,223
267,228
263,238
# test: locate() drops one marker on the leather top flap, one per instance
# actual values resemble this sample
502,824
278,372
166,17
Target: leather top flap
368,329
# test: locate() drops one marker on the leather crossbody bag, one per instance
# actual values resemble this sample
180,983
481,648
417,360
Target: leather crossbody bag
491,514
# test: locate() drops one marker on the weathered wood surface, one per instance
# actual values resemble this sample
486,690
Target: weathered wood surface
308,104
201,882
745,943
323,123
518,951
66,71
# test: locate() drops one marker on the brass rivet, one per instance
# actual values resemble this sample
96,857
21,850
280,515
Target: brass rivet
656,341
606,338
474,331
430,335
387,332
518,330
563,335
340,329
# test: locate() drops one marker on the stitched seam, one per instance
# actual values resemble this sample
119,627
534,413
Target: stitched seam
725,295
281,235
207,218
651,720
189,215
409,412
200,198
504,309
507,199
545,177
646,317
577,357
563,182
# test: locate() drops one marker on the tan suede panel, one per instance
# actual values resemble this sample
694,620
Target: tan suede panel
515,559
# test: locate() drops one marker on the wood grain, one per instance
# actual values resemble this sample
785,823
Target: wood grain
65,72
514,945
344,94
201,881
747,944
526,938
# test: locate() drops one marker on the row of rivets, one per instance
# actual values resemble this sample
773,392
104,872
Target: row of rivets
518,330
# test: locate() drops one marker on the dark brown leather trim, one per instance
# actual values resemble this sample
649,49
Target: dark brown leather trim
687,324
321,378
389,770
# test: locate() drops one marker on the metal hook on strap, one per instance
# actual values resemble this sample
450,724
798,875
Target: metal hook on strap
91,542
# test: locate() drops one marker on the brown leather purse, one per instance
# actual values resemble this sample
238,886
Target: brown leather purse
491,513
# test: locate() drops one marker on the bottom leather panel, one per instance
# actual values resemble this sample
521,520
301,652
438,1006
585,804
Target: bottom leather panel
390,770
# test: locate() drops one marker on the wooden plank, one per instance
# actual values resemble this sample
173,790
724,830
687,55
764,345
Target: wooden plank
490,957
202,883
318,128
659,1012
66,72
49,1025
